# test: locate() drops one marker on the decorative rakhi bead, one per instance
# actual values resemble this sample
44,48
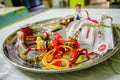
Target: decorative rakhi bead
46,44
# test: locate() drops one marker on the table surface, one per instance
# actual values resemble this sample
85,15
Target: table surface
107,70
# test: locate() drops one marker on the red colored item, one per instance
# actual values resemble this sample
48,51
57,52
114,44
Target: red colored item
56,42
47,36
27,31
33,38
86,52
88,18
76,53
102,47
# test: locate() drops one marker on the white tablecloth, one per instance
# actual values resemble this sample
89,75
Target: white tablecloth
108,70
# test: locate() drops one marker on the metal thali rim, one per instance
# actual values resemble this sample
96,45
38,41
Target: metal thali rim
79,67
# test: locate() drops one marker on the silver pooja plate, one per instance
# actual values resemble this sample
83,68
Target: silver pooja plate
11,56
